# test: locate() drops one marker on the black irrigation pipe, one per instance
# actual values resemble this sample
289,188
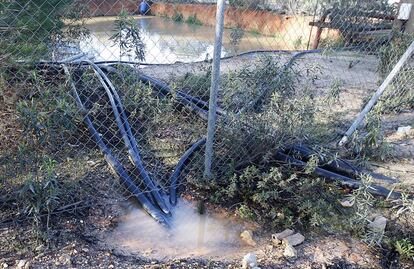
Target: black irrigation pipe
128,137
179,167
167,64
165,89
126,180
343,180
338,165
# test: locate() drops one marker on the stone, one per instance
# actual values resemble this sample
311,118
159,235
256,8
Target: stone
249,261
294,239
247,238
269,248
21,264
65,259
277,238
404,130
355,258
347,202
290,251
378,224
5,265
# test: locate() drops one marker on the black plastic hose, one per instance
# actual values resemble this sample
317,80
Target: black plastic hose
129,139
116,165
338,165
166,90
179,167
343,180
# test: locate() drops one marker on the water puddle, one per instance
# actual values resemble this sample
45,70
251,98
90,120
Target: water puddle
192,234
168,41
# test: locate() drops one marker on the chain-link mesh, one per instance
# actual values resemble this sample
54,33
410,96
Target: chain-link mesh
86,80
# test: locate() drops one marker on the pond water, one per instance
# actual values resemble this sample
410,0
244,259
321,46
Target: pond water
167,41
191,235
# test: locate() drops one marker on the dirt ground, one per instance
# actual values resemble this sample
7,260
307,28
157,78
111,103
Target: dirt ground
81,236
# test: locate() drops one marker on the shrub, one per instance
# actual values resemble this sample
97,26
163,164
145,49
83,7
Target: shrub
178,17
127,36
278,197
20,19
48,115
193,20
40,196
405,248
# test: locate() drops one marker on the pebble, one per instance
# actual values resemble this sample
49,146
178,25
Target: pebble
379,224
21,264
5,265
247,238
249,261
355,258
65,259
290,251
294,239
347,202
404,130
277,238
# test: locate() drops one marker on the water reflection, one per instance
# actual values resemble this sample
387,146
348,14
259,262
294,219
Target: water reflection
168,41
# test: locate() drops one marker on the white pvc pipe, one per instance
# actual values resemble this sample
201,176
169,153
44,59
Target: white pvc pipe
377,94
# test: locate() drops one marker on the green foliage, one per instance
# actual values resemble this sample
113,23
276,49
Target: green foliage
399,95
197,85
390,53
29,29
246,213
278,198
405,248
370,142
127,37
236,35
40,196
193,20
49,115
178,17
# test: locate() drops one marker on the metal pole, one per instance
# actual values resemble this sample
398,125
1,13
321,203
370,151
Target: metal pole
377,94
215,81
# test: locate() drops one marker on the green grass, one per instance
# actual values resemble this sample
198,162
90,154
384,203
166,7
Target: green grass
193,20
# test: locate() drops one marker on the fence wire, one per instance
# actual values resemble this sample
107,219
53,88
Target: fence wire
292,73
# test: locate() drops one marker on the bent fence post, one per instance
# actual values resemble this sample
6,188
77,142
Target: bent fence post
215,81
377,94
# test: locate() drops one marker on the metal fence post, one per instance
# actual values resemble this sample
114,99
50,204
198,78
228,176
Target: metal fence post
215,81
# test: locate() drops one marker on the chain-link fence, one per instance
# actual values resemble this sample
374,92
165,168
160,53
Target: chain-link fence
130,81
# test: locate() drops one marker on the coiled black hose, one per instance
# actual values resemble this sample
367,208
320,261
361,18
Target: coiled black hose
125,179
